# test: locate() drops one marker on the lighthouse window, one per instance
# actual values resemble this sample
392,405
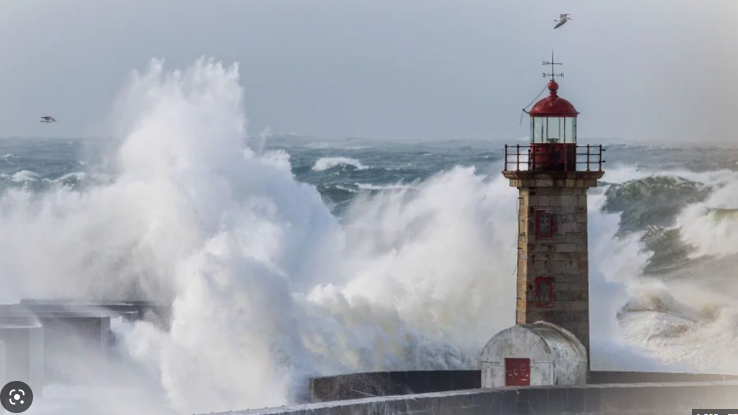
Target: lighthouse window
544,224
538,126
570,129
544,293
555,129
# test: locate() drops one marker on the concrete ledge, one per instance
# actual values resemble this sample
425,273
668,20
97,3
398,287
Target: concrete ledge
159,314
535,178
621,399
371,384
601,377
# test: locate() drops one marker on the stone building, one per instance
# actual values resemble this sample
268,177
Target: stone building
532,355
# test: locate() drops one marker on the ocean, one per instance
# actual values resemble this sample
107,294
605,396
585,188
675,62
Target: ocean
286,257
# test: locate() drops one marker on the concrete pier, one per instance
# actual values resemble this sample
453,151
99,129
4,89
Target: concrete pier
604,399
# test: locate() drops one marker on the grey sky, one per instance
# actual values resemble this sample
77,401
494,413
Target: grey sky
647,69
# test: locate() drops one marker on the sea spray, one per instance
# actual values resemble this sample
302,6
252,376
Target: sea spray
267,286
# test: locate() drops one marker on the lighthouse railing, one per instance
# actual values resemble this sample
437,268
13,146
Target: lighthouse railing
554,157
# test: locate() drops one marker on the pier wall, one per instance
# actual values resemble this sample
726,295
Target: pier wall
373,384
604,399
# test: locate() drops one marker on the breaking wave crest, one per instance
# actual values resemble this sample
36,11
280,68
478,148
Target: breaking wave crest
682,312
22,176
327,163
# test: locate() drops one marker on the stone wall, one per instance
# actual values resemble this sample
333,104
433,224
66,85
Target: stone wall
620,399
644,377
363,385
378,384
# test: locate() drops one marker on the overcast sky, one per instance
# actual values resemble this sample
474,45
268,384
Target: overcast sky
395,69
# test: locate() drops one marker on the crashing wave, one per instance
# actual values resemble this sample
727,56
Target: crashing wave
720,215
22,176
652,201
327,163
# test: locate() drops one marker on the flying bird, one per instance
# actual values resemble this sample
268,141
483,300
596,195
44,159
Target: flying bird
47,119
563,18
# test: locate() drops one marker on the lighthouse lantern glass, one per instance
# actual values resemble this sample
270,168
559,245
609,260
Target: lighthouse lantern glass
553,130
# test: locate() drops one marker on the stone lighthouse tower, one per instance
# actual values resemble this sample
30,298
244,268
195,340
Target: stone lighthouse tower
553,174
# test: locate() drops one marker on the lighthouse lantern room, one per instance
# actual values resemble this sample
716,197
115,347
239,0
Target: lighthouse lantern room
553,129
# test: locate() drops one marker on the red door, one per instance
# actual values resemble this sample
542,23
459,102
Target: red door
517,372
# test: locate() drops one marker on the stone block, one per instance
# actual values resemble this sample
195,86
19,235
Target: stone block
580,306
538,402
576,238
509,401
557,401
575,401
593,400
565,228
583,293
544,248
567,248
575,267
544,182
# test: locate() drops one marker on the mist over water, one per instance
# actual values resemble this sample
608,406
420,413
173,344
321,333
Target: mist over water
301,258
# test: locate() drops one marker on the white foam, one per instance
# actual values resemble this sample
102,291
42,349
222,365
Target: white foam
396,186
22,176
327,163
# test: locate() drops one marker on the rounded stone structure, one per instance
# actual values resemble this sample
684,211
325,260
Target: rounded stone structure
533,354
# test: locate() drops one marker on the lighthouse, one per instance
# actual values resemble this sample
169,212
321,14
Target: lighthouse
550,343
553,174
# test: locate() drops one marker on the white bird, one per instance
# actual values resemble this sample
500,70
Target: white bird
48,119
563,18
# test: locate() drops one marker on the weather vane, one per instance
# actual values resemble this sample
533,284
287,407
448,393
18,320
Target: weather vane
553,64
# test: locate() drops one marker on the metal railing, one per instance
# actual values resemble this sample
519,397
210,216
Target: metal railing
583,158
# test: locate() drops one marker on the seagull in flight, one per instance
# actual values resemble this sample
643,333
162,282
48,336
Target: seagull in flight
47,119
563,18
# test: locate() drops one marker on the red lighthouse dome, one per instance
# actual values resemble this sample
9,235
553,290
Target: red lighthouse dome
553,105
